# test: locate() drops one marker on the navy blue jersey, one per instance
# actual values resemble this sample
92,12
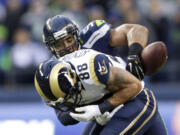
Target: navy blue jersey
96,36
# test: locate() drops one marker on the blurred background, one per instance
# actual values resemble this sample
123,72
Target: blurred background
21,51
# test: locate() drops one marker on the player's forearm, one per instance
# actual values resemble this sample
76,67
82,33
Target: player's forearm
128,34
125,94
137,34
120,97
124,86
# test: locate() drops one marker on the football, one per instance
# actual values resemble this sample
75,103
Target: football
154,56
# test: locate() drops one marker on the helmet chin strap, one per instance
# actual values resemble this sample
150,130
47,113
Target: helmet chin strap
54,52
75,95
77,41
72,99
66,50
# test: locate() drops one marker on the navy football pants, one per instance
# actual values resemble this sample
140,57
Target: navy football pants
140,116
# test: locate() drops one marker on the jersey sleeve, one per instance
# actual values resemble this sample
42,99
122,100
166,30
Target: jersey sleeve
95,34
100,69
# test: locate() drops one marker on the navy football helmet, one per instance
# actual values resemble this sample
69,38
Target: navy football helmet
55,29
58,84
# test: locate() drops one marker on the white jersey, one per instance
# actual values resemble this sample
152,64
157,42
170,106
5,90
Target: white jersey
92,68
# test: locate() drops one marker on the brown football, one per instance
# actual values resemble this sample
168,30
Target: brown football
154,56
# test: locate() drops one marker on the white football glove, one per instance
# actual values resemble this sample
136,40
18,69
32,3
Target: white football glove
106,117
86,113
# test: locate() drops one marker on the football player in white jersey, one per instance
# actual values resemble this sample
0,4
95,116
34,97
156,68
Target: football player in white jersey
62,36
96,87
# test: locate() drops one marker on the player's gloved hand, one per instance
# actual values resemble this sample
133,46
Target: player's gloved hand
134,66
86,113
106,117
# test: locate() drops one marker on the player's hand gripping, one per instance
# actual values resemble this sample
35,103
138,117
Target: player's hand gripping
86,113
106,117
134,66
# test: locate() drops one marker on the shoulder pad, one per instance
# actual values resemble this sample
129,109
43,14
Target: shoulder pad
101,66
99,22
95,31
93,26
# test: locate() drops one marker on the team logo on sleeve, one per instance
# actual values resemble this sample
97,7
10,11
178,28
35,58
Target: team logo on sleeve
102,68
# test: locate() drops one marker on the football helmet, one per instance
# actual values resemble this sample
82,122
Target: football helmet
58,84
57,28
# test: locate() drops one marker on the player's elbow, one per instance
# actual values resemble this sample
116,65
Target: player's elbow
144,30
65,123
136,86
65,118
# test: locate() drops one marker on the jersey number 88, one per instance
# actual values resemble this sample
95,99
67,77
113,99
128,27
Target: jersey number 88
82,68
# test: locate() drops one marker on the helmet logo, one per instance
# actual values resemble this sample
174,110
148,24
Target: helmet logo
48,24
41,73
43,38
62,33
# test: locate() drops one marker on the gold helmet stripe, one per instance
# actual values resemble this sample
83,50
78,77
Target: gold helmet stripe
53,80
39,90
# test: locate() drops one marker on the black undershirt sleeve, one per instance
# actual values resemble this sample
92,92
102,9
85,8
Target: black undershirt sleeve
65,118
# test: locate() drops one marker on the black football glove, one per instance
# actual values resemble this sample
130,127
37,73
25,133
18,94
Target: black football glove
134,66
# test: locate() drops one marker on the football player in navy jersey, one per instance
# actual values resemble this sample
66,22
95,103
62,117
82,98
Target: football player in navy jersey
96,88
62,36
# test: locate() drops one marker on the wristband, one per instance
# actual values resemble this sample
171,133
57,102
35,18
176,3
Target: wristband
105,106
135,49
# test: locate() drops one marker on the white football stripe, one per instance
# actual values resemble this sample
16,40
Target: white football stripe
96,36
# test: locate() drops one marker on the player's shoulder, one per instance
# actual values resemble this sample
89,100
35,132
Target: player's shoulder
101,68
79,54
94,26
